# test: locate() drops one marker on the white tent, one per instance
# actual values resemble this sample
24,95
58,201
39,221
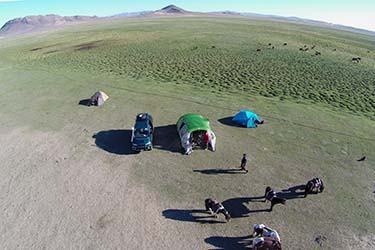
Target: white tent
98,98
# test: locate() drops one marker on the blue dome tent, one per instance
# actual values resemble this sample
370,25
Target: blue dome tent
247,119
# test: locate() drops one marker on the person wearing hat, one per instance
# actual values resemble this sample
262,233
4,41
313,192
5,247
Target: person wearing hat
262,230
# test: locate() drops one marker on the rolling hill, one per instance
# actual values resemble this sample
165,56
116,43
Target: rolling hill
70,181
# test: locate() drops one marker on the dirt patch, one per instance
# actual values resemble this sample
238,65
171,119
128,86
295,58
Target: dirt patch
36,49
88,46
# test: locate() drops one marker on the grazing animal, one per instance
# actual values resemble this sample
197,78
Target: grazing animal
269,44
314,186
362,159
285,44
317,53
356,59
313,47
273,47
216,208
270,195
334,49
259,50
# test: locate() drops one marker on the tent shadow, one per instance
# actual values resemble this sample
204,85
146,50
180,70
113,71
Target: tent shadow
217,171
292,192
230,243
188,216
84,102
238,209
114,141
166,138
228,122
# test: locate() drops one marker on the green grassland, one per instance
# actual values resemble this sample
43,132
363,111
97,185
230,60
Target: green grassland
221,54
318,112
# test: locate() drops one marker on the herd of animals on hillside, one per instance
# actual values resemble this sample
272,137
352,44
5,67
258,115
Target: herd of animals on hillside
307,48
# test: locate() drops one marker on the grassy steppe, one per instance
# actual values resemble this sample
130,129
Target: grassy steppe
318,112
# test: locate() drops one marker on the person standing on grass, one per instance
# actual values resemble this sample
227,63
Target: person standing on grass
206,139
243,163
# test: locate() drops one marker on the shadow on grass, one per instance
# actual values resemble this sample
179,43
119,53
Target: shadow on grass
84,102
230,243
229,122
166,138
220,171
114,141
238,208
292,192
189,215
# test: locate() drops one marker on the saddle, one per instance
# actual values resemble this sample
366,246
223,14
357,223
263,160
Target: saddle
217,207
270,195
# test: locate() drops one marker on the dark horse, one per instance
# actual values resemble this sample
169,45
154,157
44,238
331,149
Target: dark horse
314,186
270,195
215,208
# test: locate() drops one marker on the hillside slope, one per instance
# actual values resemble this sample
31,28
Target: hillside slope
37,23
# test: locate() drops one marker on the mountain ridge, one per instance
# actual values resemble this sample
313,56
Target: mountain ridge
37,23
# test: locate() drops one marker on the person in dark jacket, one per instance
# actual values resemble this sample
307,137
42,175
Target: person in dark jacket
243,163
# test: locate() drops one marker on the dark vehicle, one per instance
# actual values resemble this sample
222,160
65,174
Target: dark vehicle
143,132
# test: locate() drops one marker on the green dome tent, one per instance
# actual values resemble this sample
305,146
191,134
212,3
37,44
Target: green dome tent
191,129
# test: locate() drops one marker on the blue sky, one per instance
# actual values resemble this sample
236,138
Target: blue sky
357,13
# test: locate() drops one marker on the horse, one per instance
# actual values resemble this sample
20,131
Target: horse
216,208
266,243
270,195
261,230
356,59
314,186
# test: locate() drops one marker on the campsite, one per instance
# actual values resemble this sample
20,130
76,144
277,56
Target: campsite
69,176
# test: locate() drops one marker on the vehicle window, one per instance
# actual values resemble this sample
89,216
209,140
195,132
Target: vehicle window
141,132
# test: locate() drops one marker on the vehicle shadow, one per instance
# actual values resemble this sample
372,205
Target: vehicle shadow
217,171
114,141
238,208
230,243
190,216
229,122
84,102
166,138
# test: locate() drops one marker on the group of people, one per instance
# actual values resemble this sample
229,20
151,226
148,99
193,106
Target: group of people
264,237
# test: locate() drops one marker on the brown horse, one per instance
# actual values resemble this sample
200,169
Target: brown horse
216,208
270,195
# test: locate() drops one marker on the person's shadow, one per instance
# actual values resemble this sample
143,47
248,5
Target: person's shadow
192,216
217,171
230,243
115,141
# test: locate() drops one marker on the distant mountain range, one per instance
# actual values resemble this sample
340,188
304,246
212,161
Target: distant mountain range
37,23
